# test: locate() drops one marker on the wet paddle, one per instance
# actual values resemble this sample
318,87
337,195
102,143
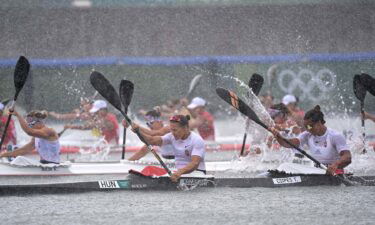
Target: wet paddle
20,75
126,94
368,83
232,99
193,84
61,132
255,84
360,94
105,89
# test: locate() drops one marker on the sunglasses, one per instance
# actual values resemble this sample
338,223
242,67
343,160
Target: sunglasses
31,121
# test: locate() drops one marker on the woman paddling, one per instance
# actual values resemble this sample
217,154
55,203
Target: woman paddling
287,127
44,139
189,147
326,145
155,123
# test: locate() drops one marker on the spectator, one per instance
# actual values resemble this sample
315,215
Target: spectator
203,120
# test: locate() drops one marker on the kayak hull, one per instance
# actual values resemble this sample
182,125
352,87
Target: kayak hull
137,182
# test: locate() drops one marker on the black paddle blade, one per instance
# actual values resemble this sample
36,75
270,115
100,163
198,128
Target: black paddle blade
232,99
255,83
20,74
368,82
105,89
359,89
126,93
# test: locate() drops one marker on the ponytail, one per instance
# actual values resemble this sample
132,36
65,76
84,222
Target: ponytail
315,115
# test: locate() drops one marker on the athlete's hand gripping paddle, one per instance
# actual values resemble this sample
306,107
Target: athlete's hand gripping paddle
20,75
105,89
232,99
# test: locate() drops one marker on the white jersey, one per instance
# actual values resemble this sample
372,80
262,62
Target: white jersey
326,148
166,150
48,150
184,149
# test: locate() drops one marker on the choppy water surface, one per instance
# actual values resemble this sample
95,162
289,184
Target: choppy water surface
315,205
302,205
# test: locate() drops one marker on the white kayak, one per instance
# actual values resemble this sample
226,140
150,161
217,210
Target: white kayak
22,166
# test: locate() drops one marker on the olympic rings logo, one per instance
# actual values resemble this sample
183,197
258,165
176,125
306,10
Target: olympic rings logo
313,86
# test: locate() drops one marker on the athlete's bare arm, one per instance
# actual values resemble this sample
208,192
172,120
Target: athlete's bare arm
20,151
193,165
281,140
161,132
152,140
45,133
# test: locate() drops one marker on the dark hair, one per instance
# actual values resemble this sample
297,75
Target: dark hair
315,115
153,113
38,114
180,119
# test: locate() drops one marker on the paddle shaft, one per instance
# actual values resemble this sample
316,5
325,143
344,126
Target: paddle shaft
126,93
7,123
244,137
232,99
105,88
255,84
342,179
149,147
5,131
124,138
61,132
360,93
20,75
294,146
363,126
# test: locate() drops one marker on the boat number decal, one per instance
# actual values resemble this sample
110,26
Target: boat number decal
107,184
193,182
287,180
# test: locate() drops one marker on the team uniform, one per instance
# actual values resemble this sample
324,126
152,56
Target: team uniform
166,151
49,151
326,148
111,136
185,149
10,137
207,130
